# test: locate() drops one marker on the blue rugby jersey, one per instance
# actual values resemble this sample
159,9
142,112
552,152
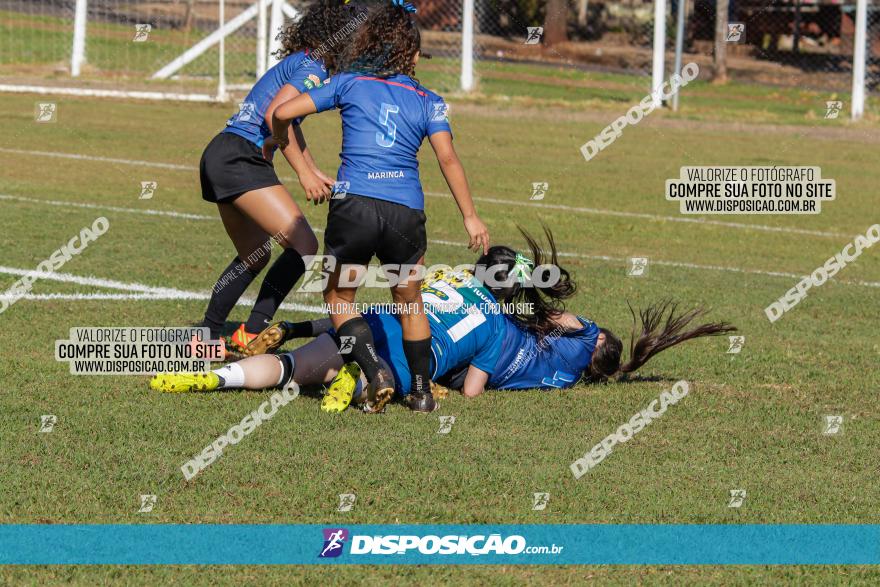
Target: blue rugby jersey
555,361
298,70
384,122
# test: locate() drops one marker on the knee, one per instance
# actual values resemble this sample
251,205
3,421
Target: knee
300,238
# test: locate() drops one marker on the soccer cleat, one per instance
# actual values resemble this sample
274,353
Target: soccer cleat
341,389
269,340
421,402
183,382
240,339
379,392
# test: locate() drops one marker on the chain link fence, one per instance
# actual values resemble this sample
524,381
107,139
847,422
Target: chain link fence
797,43
791,43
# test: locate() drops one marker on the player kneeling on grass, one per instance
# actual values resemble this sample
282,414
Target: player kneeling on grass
378,208
474,346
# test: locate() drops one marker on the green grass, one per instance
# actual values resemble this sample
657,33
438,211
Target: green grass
751,421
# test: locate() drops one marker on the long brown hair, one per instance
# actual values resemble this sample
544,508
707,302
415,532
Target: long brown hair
385,45
316,31
659,326
546,302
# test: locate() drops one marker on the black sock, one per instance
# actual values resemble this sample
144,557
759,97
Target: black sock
284,273
302,329
356,344
418,356
232,282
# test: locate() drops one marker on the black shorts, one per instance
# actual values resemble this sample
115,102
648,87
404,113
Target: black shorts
232,165
359,227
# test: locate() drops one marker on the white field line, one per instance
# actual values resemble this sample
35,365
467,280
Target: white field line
678,264
653,217
169,213
684,265
143,292
542,205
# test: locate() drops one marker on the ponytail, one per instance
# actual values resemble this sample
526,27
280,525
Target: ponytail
513,286
649,338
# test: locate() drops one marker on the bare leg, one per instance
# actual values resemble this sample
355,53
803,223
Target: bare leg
316,362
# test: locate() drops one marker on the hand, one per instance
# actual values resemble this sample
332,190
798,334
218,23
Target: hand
317,190
269,147
324,177
478,233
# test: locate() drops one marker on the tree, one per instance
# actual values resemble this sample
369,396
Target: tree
556,22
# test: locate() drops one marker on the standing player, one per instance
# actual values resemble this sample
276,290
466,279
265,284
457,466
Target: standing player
386,114
253,204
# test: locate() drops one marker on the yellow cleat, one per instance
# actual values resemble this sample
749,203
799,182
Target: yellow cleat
341,389
268,340
183,382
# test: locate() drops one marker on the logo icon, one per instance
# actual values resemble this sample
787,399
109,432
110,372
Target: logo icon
148,502
736,31
246,111
638,267
148,188
736,344
446,423
45,112
141,32
318,270
340,190
832,109
540,501
346,502
346,344
832,425
334,540
737,497
47,422
539,190
312,81
440,112
534,35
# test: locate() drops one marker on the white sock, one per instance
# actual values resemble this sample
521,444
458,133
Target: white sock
231,376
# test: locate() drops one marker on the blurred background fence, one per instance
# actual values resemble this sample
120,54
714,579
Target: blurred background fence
800,43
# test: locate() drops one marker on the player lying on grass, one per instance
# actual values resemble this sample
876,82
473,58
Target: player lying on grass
253,204
474,346
378,207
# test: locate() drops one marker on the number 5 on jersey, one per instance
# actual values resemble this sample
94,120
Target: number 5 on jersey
387,138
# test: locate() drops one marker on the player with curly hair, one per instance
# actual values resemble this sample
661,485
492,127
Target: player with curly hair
378,206
256,209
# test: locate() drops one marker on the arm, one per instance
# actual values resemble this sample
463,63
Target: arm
293,146
453,172
474,382
567,321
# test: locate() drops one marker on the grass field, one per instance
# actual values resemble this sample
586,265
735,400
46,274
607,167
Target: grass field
751,421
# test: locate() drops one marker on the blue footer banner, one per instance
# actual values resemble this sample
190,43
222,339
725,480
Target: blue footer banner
556,544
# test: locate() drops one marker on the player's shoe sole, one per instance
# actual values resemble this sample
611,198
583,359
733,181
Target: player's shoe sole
421,402
379,393
341,389
268,340
184,382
